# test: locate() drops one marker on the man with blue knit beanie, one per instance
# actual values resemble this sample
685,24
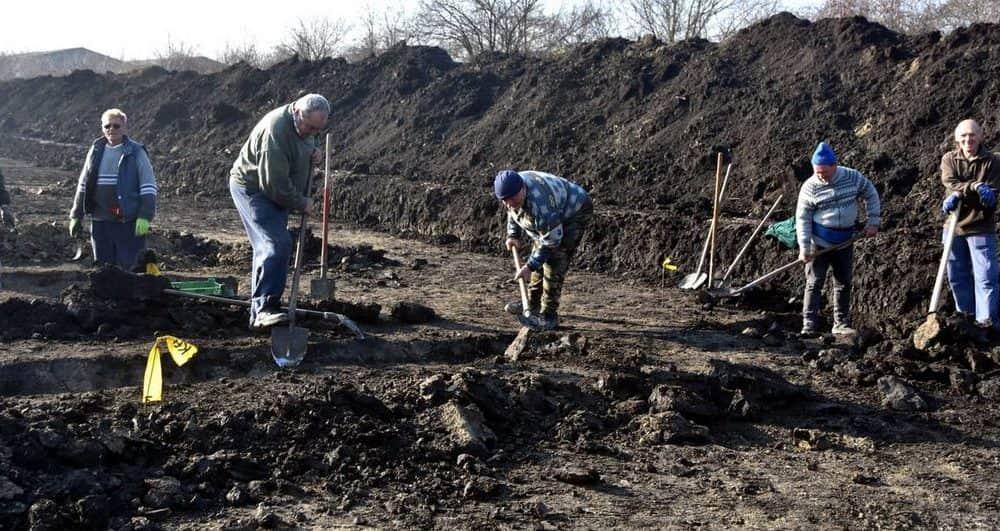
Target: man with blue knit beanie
969,174
826,215
554,213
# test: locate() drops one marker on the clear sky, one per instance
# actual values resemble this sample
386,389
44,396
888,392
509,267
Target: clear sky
204,25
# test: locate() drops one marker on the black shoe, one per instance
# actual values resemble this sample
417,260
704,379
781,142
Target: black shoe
539,322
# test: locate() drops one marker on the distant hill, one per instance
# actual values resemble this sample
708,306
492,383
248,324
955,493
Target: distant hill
63,62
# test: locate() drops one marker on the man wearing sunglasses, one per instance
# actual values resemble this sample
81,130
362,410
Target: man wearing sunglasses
267,181
117,189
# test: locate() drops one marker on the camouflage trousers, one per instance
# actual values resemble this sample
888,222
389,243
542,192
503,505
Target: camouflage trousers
545,286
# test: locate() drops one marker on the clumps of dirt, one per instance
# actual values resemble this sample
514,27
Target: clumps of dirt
36,244
36,319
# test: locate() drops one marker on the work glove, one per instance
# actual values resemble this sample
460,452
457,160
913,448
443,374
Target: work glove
7,217
951,202
74,227
987,195
141,227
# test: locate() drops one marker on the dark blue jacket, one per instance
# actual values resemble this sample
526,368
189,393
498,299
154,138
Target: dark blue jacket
136,197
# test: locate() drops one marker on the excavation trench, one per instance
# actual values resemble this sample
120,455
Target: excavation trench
47,375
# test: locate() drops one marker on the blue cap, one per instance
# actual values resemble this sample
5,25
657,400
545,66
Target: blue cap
824,155
507,184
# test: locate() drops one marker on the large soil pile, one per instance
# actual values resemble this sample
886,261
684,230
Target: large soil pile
637,122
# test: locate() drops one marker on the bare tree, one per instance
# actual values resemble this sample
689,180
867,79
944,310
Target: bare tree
588,22
743,13
676,20
314,39
383,30
956,13
177,56
471,27
243,53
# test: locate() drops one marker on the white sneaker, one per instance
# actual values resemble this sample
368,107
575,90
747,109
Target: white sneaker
268,317
843,330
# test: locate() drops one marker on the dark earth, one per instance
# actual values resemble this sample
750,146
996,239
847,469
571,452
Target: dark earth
651,407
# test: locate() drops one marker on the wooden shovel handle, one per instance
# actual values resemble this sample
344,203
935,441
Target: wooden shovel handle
520,281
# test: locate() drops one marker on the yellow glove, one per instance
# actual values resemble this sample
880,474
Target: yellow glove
141,227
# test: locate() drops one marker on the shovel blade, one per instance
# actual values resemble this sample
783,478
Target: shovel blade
79,252
288,345
724,292
693,280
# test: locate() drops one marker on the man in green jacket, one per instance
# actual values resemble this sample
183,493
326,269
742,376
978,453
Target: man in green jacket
268,180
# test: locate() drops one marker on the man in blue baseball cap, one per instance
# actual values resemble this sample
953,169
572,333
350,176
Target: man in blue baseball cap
969,173
554,213
826,215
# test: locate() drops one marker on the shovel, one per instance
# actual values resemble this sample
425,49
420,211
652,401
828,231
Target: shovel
724,292
696,279
345,321
525,309
322,287
749,241
289,343
80,241
931,326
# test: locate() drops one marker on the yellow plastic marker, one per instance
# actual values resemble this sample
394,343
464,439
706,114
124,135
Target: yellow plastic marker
152,382
180,351
152,269
669,265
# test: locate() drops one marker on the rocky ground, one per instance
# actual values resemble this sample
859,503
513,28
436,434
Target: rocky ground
652,407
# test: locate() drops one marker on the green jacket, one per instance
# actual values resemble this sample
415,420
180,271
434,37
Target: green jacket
276,160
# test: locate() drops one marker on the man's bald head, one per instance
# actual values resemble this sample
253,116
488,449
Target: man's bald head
969,136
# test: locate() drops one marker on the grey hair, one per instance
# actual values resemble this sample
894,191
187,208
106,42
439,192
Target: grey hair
117,113
312,103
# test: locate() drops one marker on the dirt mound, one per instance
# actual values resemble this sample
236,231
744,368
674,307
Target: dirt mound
638,123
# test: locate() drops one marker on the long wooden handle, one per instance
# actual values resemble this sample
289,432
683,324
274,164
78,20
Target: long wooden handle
715,218
711,227
525,309
294,295
949,238
790,265
326,209
749,241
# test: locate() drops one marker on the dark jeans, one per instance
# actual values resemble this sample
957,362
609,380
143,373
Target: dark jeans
266,224
115,243
842,263
545,287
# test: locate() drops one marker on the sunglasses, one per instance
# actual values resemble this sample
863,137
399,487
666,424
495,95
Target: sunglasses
112,126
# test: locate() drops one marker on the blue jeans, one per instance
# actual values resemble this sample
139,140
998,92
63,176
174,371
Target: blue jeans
972,275
266,224
115,243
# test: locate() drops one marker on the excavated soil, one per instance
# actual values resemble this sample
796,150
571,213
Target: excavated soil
651,407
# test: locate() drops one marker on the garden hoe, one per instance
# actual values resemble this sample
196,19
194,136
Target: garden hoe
696,279
323,288
931,326
724,292
289,343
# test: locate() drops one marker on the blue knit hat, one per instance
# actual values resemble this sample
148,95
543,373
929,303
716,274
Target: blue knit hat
824,155
507,184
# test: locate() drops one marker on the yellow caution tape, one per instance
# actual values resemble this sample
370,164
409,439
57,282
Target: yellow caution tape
152,383
668,265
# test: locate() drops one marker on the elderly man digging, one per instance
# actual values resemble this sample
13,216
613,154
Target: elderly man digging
267,181
554,213
825,216
968,173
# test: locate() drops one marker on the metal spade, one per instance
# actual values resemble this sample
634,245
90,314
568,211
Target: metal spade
289,343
